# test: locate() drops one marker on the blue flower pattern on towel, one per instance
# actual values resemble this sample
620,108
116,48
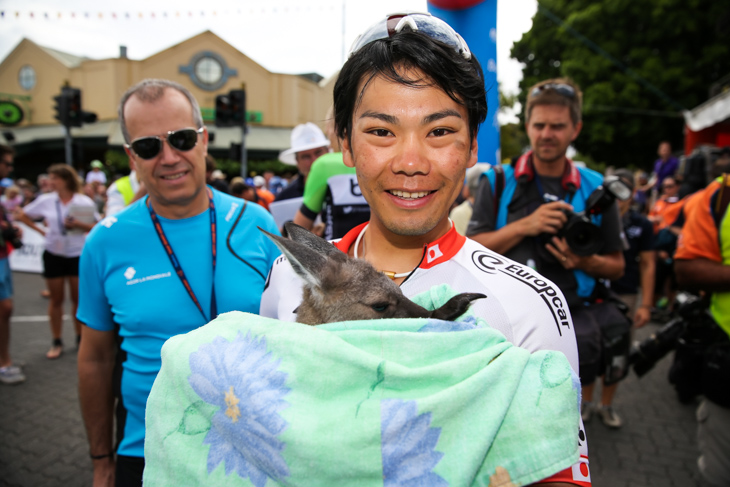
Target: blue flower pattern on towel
241,378
440,326
408,444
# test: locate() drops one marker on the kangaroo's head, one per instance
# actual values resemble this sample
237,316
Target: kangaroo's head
338,288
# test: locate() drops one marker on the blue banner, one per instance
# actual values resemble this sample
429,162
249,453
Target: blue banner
477,24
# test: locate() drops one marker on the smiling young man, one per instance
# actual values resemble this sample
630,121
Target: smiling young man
158,269
407,110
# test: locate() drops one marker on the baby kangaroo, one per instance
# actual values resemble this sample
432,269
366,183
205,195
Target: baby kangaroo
338,288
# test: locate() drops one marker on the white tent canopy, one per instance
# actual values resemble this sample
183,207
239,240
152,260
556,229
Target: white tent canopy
712,112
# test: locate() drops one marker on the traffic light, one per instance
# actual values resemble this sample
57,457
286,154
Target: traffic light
61,108
223,111
68,108
74,106
230,109
238,107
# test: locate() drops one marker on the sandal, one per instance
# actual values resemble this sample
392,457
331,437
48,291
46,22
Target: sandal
56,349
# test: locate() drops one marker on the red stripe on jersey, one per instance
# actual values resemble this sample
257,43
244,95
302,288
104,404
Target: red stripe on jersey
439,251
579,474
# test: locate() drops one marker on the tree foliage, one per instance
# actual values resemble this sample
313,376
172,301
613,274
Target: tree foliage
638,62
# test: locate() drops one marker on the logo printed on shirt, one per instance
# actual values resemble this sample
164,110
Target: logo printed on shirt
234,206
634,232
549,293
433,253
153,277
108,221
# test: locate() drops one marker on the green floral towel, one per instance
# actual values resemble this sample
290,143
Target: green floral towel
247,400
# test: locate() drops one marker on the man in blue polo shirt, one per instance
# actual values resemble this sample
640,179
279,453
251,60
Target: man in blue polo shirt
167,264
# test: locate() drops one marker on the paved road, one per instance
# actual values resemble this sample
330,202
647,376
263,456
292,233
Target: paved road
42,438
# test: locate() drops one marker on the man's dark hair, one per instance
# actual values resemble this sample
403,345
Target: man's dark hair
5,150
238,188
393,58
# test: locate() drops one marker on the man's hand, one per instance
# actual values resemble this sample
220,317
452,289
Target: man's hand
603,266
104,471
559,248
548,218
642,316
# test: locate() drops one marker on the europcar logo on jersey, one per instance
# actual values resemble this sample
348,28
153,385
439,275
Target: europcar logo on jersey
485,262
491,264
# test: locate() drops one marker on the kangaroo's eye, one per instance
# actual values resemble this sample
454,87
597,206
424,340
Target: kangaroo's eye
379,307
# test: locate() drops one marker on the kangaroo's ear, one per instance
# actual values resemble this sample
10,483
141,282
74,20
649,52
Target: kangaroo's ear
306,262
305,237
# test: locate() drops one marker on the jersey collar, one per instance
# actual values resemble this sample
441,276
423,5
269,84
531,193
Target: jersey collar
437,252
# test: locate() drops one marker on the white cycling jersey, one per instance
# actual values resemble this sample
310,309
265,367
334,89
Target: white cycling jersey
526,308
529,310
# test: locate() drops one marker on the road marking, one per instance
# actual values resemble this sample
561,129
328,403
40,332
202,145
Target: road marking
33,319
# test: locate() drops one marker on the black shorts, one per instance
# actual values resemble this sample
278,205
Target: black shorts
57,266
590,346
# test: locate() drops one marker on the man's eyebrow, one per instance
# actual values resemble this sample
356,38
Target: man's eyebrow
380,116
440,115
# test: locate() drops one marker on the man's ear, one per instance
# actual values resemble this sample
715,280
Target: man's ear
205,138
578,127
347,151
473,153
130,155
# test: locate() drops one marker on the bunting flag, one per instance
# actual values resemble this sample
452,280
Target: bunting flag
165,14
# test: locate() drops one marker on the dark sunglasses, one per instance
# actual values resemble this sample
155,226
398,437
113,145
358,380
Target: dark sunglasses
560,88
424,22
149,147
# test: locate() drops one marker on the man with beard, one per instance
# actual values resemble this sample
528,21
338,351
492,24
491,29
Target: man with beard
520,209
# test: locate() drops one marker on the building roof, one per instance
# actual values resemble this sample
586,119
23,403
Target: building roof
68,60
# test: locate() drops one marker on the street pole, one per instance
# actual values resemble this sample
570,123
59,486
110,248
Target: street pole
69,156
244,158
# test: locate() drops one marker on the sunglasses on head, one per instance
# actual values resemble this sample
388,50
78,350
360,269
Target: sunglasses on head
424,22
560,88
182,140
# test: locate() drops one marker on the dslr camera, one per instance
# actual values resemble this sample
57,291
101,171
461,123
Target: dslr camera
583,237
702,352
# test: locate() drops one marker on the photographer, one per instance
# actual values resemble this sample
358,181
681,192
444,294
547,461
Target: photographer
520,210
702,262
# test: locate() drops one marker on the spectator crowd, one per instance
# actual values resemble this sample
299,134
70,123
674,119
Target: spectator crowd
612,250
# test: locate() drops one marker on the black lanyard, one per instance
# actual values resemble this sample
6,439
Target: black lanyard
60,220
176,264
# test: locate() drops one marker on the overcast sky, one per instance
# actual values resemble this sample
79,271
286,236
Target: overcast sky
284,36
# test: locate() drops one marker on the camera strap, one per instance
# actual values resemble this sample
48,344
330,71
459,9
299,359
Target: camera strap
546,196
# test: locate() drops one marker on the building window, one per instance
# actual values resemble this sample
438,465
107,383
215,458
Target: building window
26,77
208,71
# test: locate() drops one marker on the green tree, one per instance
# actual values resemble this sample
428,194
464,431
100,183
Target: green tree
513,140
639,64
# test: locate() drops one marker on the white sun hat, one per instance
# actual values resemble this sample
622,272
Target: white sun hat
304,137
